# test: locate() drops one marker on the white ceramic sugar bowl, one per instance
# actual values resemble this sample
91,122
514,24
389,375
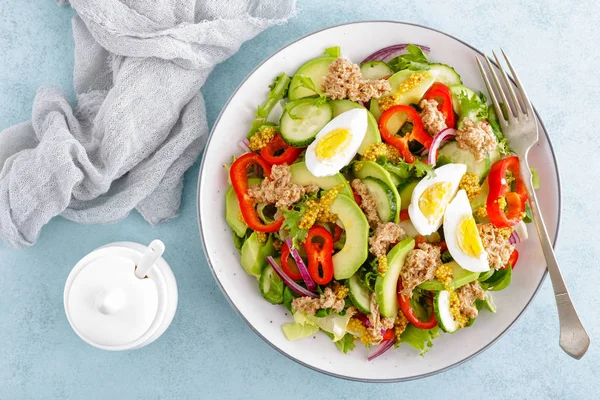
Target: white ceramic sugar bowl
121,296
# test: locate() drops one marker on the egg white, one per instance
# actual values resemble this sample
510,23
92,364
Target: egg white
355,121
455,212
451,173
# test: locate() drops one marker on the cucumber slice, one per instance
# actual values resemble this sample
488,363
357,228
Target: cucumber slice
364,169
302,121
442,312
359,294
271,286
456,90
405,192
371,136
445,74
459,156
375,70
315,69
384,197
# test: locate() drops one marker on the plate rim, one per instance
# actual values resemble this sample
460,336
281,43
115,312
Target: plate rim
239,313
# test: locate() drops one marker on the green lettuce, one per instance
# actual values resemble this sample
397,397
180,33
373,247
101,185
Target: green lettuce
414,60
420,339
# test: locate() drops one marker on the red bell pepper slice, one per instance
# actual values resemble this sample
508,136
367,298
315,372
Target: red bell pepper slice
441,93
409,313
320,263
514,257
356,196
401,142
271,152
291,271
404,216
499,187
238,173
388,334
337,233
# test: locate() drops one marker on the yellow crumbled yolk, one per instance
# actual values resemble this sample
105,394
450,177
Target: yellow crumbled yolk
262,138
443,273
277,244
481,212
414,80
333,143
382,265
434,199
356,327
376,150
261,236
468,237
318,210
341,292
470,183
505,232
502,202
400,325
459,317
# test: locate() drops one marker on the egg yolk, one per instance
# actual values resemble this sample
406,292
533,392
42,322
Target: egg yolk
434,199
468,238
333,143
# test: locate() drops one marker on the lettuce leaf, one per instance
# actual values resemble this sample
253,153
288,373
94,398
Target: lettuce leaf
332,51
345,344
414,60
279,90
420,339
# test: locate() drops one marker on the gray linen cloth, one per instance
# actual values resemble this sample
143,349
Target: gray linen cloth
140,120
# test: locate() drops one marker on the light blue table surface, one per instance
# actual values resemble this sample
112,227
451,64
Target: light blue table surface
208,352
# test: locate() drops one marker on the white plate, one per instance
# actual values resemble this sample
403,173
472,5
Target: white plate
358,40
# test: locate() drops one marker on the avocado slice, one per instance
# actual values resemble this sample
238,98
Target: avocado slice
254,254
372,135
315,69
232,209
460,277
385,286
354,253
302,176
365,169
413,96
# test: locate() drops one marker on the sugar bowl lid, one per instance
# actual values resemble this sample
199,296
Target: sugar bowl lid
113,295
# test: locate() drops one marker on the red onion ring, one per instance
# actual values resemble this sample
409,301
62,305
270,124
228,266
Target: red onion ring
245,144
438,140
387,53
288,281
308,281
381,348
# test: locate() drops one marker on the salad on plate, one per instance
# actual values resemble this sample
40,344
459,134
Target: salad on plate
378,202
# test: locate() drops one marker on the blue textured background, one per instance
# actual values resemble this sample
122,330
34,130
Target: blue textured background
208,352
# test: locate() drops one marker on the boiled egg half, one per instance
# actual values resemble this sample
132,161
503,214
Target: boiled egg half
337,143
431,197
462,236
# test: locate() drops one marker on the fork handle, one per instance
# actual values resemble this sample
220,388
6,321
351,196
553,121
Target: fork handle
574,340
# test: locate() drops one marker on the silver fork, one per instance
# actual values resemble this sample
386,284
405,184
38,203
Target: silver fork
521,130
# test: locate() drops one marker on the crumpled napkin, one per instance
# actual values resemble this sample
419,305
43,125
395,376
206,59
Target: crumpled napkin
140,120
